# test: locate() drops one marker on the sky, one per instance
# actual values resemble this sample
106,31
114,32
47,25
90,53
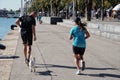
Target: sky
10,4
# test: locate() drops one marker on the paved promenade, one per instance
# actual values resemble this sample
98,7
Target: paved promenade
7,55
54,57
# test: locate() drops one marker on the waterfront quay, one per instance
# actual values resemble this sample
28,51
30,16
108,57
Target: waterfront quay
54,57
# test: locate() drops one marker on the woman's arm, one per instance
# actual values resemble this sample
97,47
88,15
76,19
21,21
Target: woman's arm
71,37
18,22
87,34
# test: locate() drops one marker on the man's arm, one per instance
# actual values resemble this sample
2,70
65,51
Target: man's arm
34,32
18,22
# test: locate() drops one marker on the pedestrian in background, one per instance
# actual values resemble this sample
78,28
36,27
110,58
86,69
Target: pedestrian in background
79,33
27,26
39,17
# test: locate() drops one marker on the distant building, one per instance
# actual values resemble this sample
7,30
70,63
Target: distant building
3,13
9,14
13,14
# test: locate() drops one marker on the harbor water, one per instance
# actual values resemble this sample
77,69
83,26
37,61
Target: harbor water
5,26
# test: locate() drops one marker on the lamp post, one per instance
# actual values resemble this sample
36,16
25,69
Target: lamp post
26,7
21,12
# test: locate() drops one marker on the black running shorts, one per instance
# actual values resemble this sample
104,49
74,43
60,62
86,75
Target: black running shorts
27,37
77,50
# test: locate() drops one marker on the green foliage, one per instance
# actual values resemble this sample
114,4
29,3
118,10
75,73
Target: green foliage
58,5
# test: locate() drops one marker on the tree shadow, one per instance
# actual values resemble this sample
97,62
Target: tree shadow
102,75
109,75
91,68
8,57
48,72
73,67
53,65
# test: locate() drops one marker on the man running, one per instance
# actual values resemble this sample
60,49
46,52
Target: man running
27,24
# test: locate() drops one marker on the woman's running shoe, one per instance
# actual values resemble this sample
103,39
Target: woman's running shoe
82,65
78,72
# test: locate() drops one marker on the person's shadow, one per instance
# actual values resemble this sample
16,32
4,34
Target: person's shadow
101,74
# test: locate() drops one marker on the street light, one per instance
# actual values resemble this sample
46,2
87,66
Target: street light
26,4
21,12
22,7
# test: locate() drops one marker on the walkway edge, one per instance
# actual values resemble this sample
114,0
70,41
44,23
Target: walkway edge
6,56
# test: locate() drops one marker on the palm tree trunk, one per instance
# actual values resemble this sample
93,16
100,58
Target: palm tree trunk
51,9
67,11
88,9
102,11
74,8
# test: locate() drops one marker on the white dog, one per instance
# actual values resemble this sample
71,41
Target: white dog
32,64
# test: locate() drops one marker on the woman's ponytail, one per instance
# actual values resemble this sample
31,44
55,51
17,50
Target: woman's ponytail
79,23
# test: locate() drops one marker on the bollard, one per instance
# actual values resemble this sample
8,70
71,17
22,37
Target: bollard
3,47
12,27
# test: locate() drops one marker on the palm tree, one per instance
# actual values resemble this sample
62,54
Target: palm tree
65,6
88,4
44,5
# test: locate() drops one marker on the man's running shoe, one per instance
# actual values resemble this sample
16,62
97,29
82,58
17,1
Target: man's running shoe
27,62
82,65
